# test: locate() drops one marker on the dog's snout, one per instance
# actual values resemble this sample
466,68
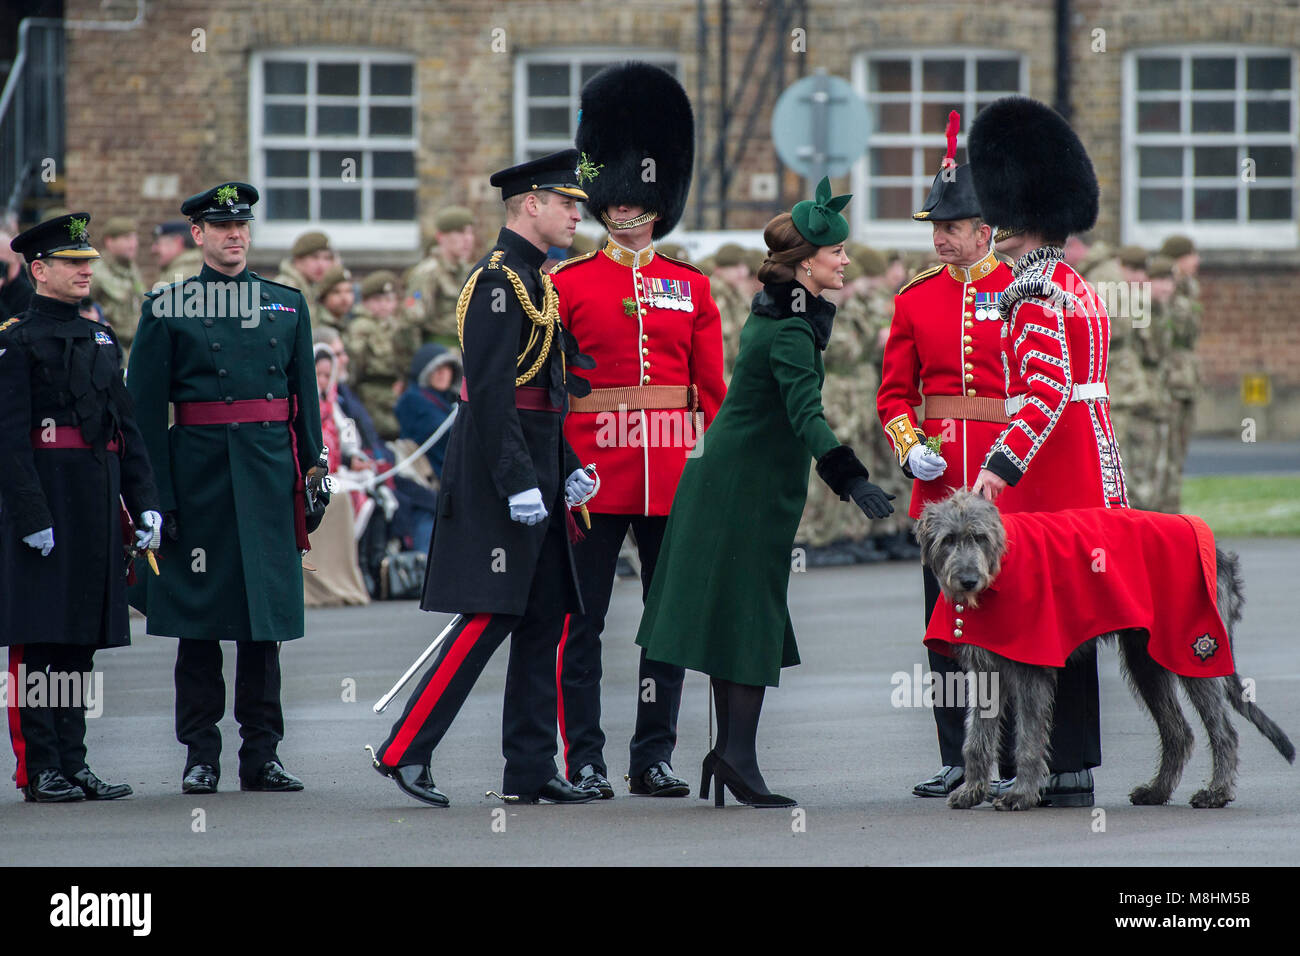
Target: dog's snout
968,584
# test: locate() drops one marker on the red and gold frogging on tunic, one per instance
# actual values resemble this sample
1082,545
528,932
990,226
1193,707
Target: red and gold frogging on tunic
945,340
646,320
1059,451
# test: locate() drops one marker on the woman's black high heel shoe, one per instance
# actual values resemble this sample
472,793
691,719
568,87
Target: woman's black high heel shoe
725,776
710,759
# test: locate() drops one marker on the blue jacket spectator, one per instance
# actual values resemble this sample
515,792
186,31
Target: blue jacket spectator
432,391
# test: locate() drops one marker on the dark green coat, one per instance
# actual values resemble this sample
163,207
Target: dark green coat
718,600
235,573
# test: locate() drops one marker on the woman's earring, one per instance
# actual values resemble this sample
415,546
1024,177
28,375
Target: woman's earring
807,270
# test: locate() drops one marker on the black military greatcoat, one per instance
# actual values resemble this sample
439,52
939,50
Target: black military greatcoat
59,370
480,561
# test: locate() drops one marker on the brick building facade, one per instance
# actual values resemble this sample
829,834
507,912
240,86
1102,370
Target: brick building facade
447,91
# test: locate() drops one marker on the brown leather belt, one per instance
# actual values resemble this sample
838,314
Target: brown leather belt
967,407
65,436
638,396
229,413
531,398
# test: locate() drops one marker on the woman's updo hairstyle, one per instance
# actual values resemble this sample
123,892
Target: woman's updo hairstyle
786,248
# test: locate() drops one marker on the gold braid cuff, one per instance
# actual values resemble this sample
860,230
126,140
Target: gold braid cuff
903,435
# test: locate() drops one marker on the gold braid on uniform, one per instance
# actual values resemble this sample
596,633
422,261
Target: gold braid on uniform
547,317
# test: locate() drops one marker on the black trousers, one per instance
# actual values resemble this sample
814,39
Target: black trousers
201,702
1076,728
50,736
528,711
659,685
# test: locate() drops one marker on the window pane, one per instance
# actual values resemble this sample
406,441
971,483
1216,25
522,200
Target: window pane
1214,204
287,162
1160,161
934,117
281,77
1214,73
943,75
548,121
1160,204
340,204
337,120
286,203
338,79
390,121
1213,117
892,202
1159,117
393,165
893,118
1214,161
1158,73
335,162
1000,75
1268,73
890,76
1264,117
393,204
281,120
548,79
1269,203
1272,160
891,162
391,79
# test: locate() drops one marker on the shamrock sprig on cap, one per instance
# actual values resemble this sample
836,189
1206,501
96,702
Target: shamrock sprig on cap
228,195
77,228
587,169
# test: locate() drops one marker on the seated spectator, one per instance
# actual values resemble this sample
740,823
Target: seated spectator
432,390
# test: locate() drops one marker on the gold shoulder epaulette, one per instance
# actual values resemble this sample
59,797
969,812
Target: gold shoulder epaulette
565,263
495,261
13,320
921,277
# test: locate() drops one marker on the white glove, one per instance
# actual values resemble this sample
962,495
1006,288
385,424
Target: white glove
41,539
148,533
925,464
578,486
526,507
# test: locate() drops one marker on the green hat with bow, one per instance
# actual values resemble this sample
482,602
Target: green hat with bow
818,220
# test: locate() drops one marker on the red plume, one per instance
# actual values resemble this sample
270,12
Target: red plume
954,121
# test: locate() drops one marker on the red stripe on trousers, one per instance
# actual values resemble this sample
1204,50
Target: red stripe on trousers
559,690
15,720
437,684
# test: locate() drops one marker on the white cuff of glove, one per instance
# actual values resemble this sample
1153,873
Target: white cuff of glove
927,465
526,507
42,540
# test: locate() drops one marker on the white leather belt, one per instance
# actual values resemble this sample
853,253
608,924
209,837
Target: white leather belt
1083,392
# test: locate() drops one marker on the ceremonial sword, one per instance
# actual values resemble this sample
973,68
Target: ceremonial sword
383,702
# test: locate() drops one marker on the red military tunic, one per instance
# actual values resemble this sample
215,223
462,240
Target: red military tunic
945,340
1059,450
647,320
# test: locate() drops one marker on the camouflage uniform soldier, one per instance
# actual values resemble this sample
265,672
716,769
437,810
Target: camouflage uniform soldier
1187,262
381,342
433,285
1146,456
336,298
117,284
173,248
730,273
1181,316
308,261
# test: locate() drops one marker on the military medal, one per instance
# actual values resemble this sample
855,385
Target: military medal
670,294
986,306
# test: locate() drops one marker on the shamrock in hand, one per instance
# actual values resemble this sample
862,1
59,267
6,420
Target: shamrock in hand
934,443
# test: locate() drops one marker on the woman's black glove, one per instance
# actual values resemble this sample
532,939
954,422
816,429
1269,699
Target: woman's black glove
872,499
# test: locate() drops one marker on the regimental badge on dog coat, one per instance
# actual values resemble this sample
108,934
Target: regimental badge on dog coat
1069,576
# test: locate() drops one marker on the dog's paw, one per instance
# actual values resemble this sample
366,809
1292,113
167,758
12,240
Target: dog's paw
1016,801
1147,796
1210,799
965,797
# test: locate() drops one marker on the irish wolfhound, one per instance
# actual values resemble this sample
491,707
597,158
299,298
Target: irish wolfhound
963,543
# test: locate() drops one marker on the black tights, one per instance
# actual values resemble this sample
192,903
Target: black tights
738,707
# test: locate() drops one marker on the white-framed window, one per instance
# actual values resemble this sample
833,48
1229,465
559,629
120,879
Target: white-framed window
909,94
333,135
548,92
1209,146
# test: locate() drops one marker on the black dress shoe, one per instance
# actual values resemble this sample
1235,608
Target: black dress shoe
1072,788
589,778
201,778
51,786
659,781
559,790
96,789
271,778
941,784
414,780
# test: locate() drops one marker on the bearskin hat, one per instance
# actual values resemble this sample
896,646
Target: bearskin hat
633,112
1031,171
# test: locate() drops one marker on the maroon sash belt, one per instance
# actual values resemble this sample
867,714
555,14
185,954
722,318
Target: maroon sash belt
229,413
532,398
66,436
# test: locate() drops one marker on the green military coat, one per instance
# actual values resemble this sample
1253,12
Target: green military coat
718,600
235,572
